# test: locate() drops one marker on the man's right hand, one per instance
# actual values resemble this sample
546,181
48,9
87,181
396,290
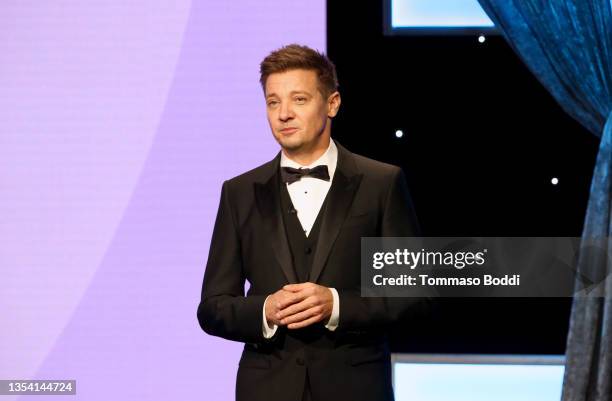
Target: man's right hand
280,297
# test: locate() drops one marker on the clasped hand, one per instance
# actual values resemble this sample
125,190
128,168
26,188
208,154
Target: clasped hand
299,305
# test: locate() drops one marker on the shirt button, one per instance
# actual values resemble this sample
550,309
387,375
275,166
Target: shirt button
300,361
308,250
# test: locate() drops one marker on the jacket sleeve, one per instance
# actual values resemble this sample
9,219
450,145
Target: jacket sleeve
224,310
359,313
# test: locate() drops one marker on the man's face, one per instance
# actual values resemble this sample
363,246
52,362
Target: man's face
297,112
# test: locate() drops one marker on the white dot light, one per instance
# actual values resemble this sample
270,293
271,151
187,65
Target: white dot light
554,181
481,39
399,133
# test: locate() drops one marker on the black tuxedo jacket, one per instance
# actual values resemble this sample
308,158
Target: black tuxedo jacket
366,199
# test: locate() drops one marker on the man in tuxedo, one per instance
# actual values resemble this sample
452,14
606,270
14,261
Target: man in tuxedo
292,227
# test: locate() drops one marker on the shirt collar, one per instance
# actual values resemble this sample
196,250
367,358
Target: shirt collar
329,158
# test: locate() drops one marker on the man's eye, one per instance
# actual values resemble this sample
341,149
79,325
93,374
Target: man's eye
272,103
300,99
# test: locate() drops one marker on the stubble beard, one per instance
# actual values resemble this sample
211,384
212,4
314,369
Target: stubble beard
292,143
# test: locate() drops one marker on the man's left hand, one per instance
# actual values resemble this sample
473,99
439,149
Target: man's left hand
312,303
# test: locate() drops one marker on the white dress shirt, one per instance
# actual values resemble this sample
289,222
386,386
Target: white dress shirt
307,196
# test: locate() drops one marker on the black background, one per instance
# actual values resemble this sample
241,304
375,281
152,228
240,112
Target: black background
482,141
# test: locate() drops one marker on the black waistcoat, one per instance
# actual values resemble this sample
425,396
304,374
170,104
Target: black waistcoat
302,247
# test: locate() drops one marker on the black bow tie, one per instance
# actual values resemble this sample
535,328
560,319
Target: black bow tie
291,175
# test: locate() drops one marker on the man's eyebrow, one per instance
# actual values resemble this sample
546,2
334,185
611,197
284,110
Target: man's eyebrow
269,95
298,92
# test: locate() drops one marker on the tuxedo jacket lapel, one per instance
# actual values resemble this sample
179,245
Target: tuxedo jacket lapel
340,197
268,202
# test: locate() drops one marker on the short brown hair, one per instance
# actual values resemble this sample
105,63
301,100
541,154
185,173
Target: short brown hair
293,57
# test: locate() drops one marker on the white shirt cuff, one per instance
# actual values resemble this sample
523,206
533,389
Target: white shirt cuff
268,331
332,324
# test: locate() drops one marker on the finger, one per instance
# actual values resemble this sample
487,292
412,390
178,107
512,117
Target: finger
290,300
295,308
300,316
304,323
295,287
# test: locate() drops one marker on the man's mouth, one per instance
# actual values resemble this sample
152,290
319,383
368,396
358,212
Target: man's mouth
288,130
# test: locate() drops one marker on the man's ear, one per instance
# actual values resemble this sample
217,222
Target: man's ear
333,104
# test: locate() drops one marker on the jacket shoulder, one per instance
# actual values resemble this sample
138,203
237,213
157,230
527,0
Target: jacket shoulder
375,168
258,174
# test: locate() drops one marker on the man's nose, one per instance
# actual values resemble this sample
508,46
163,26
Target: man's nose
286,112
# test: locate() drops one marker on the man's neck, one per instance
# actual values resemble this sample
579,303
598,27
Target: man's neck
305,158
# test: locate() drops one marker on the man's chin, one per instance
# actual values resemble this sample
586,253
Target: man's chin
289,144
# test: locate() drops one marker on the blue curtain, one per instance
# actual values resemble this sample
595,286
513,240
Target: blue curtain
567,45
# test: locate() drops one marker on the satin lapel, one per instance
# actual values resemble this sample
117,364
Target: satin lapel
268,202
341,194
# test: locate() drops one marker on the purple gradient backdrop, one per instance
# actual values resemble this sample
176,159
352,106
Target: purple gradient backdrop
118,123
